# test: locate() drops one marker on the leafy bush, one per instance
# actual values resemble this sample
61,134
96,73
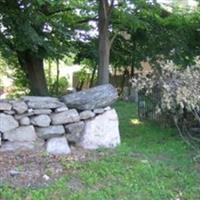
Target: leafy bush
179,89
179,97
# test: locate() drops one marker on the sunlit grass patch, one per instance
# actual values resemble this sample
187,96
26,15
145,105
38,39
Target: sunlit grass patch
135,121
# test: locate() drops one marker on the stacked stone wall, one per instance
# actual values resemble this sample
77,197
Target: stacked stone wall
54,124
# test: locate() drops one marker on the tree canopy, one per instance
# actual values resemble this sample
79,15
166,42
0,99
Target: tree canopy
129,32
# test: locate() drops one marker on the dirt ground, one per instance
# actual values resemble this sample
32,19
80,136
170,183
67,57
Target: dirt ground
27,168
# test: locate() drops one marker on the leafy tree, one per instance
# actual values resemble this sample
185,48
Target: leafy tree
148,32
32,31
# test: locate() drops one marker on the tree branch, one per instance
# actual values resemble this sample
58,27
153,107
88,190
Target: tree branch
54,12
110,7
95,18
105,8
112,39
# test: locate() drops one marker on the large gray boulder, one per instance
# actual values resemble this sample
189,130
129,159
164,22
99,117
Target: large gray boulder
96,97
101,131
7,122
21,134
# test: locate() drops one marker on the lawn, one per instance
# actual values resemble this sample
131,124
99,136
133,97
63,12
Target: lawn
152,163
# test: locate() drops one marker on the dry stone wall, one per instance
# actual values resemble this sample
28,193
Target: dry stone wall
54,125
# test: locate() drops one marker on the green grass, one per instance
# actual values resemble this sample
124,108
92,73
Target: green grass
152,163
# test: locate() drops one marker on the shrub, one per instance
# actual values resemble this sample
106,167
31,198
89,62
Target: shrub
178,95
179,89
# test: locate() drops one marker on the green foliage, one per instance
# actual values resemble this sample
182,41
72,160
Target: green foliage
62,85
35,30
10,68
146,31
152,163
87,64
20,84
139,30
82,75
86,50
86,72
40,26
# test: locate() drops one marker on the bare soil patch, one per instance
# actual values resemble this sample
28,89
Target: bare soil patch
28,168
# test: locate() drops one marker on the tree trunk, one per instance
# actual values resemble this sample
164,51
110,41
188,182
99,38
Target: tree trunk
104,43
133,68
124,79
133,58
57,76
49,72
34,69
93,76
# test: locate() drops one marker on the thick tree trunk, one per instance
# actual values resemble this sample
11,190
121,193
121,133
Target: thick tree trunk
34,69
104,43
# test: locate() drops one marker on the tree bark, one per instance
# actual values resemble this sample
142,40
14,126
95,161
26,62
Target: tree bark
49,72
124,79
57,75
133,59
104,43
34,70
93,76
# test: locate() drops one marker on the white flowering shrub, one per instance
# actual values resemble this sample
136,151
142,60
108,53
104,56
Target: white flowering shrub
179,89
178,95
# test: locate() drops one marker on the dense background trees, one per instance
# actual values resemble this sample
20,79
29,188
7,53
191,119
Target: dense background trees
117,33
32,31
